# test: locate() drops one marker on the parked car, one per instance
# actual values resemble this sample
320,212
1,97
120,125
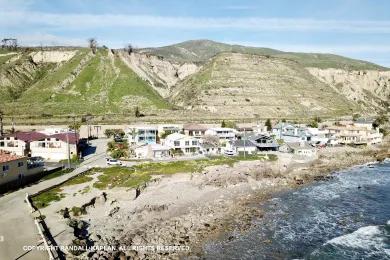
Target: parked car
114,162
230,153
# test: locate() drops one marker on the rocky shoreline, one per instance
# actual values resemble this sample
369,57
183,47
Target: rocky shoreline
224,199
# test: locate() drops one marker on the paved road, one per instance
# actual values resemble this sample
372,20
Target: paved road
17,227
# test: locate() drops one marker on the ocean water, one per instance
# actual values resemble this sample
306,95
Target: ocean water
327,220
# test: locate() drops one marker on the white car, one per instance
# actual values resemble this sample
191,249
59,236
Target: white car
114,162
230,153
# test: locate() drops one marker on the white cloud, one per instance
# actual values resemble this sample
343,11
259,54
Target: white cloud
37,39
88,21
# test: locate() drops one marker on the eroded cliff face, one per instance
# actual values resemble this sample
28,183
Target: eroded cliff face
235,84
369,88
160,73
52,56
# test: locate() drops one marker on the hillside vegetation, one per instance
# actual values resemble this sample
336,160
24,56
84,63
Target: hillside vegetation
193,80
87,83
252,85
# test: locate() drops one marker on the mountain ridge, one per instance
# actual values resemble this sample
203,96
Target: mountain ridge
198,48
200,76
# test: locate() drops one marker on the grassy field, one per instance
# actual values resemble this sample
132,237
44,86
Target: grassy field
138,175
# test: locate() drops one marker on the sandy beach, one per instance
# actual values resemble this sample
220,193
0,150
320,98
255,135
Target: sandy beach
183,210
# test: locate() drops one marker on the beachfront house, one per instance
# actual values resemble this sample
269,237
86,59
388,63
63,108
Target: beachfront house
291,133
355,134
151,151
194,130
141,134
167,129
53,147
210,149
299,148
264,142
222,133
182,144
242,146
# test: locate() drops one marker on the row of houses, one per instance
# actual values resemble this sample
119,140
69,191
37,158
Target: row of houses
360,132
50,144
193,139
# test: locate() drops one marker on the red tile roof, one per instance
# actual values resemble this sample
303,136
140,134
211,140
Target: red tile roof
8,157
28,136
72,137
35,136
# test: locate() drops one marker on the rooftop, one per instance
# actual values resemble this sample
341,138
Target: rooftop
194,127
35,136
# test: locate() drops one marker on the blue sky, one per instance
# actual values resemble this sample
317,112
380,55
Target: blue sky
354,28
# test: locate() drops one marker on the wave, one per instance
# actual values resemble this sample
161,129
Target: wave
371,241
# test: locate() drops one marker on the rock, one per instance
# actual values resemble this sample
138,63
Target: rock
113,211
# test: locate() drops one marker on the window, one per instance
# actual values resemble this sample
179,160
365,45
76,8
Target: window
20,164
194,142
187,143
1,144
5,168
176,143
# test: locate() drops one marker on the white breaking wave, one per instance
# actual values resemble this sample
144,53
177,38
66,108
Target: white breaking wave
372,238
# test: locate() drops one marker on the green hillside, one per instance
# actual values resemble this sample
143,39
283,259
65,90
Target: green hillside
86,84
202,50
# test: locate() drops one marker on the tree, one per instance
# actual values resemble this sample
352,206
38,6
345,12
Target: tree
317,119
228,124
137,113
355,117
268,124
92,43
314,124
129,49
75,126
380,120
1,123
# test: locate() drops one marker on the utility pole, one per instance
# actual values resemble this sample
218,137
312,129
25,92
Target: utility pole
244,142
67,140
1,123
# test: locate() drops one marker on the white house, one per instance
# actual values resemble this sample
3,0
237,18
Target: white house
291,133
223,133
141,134
242,146
356,135
152,151
182,143
194,130
168,129
54,147
300,148
210,149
